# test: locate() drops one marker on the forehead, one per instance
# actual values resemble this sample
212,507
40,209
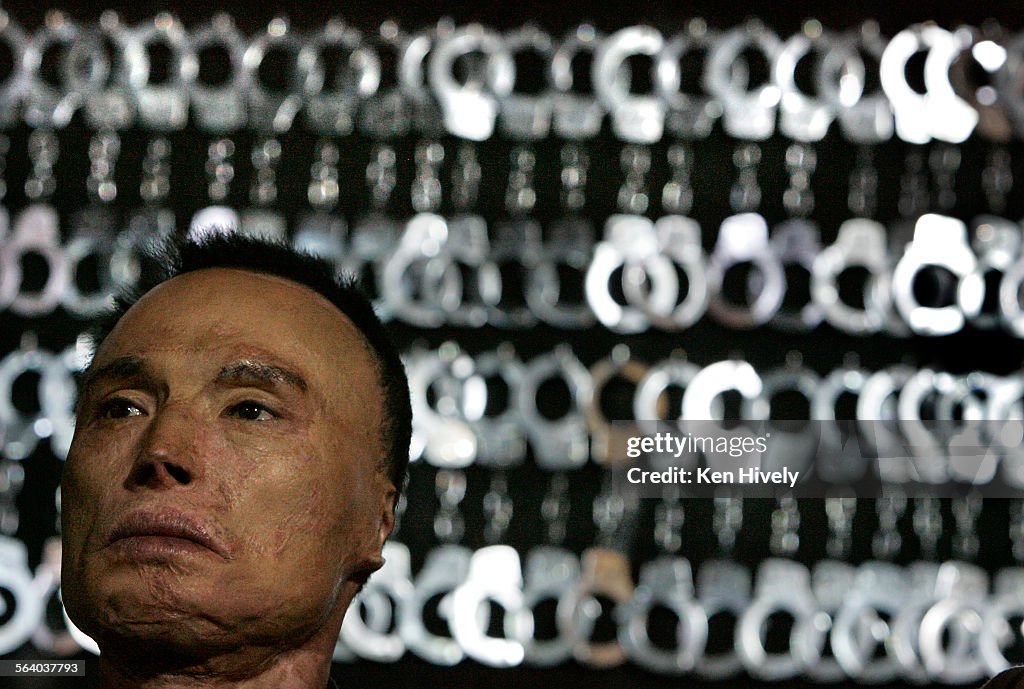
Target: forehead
224,312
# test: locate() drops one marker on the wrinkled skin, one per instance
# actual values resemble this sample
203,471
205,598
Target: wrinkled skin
286,482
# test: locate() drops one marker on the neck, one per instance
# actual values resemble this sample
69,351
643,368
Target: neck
289,674
142,666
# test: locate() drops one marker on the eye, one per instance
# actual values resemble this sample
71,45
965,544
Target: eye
252,411
118,408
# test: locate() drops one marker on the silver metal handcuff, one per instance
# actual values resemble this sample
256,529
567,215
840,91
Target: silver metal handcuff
749,109
744,238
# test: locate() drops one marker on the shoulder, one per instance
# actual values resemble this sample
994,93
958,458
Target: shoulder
1008,679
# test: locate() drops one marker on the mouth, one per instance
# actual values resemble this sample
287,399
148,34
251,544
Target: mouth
163,533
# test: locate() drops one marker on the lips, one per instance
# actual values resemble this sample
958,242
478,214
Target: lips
169,524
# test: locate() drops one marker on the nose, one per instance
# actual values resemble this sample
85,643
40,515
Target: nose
170,454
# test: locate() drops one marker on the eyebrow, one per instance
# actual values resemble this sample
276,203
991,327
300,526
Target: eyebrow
239,372
123,367
253,371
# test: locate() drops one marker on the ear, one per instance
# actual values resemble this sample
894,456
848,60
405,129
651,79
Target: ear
386,510
384,524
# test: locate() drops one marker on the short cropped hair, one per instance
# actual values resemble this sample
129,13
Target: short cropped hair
217,249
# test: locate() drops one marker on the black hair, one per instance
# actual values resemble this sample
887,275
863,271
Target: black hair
217,249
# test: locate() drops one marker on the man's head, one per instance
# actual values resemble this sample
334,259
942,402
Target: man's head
242,434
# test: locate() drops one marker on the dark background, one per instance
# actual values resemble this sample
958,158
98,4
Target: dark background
706,342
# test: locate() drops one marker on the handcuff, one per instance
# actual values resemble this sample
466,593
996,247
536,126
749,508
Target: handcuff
794,242
938,241
749,112
562,442
104,80
629,239
703,413
22,432
997,243
494,576
383,597
678,239
14,88
792,446
469,110
549,573
923,593
1010,308
604,572
831,581
501,441
36,230
330,108
939,113
93,235
956,117
635,118
471,277
666,582
526,116
963,414
859,627
576,115
783,586
418,258
723,588
982,52
386,113
877,423
440,430
959,611
273,110
50,105
996,634
859,243
163,106
688,115
607,441
930,458
802,116
220,108
744,238
839,453
444,570
16,578
865,118
424,109
570,244
516,243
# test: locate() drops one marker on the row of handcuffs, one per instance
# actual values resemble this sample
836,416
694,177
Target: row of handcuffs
448,272
926,622
491,408
523,83
424,280
458,420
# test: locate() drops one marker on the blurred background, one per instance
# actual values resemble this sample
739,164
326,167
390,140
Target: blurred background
568,215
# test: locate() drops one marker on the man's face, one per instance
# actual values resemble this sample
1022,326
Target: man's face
222,490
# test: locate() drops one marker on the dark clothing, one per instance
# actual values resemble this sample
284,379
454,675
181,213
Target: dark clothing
1009,679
